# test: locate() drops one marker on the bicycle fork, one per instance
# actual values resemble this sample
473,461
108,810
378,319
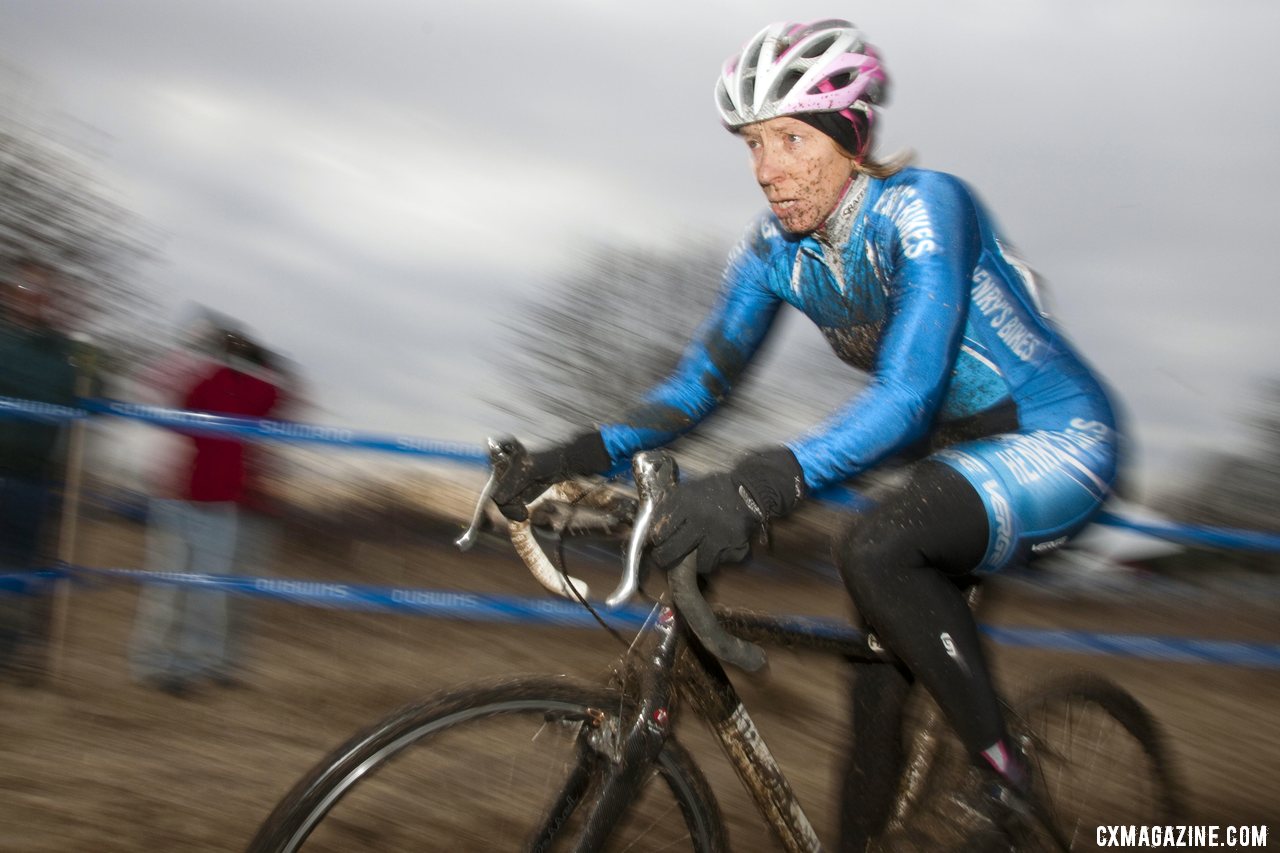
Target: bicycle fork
616,754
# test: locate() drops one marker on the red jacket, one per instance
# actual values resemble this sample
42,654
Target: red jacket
218,469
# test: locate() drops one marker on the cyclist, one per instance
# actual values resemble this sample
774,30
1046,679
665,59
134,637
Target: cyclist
908,279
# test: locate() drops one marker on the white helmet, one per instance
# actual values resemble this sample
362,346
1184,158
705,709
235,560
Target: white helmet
791,68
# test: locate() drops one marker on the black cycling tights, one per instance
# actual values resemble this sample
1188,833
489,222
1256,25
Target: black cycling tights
903,563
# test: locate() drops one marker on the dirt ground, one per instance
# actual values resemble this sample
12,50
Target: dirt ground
90,761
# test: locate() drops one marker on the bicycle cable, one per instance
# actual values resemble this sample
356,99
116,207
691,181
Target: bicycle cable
559,563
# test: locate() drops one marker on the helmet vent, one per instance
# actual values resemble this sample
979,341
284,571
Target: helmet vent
749,87
818,48
726,103
838,81
749,63
787,81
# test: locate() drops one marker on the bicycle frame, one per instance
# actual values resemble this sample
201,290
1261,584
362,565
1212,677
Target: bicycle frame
715,699
680,664
692,640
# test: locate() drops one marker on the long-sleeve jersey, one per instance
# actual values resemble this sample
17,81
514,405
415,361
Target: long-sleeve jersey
908,281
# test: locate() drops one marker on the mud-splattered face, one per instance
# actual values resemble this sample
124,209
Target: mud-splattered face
802,171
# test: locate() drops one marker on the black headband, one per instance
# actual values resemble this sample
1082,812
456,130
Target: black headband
846,133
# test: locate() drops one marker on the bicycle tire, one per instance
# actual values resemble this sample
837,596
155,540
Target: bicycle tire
1097,757
474,792
940,805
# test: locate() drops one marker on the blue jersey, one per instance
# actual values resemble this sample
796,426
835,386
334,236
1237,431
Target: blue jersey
910,282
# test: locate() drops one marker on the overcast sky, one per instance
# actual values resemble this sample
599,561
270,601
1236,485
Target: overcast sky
369,186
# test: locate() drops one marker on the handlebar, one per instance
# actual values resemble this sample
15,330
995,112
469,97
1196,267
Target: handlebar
503,453
655,473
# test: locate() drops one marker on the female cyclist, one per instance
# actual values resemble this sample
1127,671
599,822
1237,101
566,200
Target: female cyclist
907,277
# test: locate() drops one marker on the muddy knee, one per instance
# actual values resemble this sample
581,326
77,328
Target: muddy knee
867,552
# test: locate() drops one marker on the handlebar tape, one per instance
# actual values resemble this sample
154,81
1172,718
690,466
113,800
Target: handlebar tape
683,580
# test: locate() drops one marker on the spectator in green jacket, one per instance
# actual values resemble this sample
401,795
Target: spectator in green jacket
36,365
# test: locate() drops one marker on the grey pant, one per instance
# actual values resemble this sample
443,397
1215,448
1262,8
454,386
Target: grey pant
183,631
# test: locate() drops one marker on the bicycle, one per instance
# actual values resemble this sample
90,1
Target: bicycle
551,762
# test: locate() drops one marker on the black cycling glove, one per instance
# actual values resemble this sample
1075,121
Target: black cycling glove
531,476
716,514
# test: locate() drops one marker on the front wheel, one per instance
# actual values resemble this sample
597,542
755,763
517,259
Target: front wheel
498,765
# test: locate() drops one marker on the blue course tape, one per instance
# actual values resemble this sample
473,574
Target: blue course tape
1175,649
1194,534
294,432
290,432
523,610
449,604
32,411
28,583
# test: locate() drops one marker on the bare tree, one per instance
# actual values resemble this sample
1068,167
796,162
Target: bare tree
1240,490
56,210
609,328
606,331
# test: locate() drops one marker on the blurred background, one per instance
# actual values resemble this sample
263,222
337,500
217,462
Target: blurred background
394,195
452,220
380,191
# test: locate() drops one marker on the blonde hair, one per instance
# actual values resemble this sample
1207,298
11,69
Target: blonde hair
877,168
865,162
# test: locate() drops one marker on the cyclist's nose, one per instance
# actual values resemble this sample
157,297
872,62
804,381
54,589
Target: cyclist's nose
768,167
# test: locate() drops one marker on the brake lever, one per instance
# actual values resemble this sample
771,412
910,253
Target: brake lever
505,451
654,472
501,451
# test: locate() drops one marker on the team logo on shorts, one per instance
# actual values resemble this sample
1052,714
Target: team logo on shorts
1002,519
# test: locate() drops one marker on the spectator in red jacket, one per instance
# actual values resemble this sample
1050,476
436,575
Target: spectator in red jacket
183,634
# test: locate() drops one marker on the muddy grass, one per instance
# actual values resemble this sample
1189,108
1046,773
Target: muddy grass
90,761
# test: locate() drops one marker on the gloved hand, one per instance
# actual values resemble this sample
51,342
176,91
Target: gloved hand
531,476
716,514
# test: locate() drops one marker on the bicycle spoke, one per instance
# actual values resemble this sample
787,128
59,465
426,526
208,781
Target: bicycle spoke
1095,758
491,768
666,817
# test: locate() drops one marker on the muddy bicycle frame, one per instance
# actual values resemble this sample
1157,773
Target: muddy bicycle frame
682,662
679,663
